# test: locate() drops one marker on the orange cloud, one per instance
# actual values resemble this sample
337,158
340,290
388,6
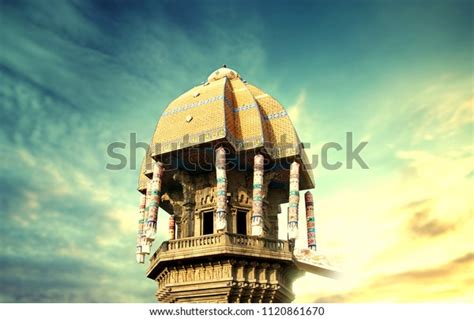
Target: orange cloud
449,281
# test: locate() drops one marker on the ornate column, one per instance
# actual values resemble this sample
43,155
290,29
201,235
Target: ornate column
154,203
233,212
221,198
171,227
146,243
188,227
177,221
197,223
140,234
308,199
257,212
293,202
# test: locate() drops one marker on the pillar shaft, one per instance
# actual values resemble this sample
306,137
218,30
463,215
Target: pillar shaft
171,227
141,220
311,228
293,202
221,211
145,241
257,211
154,203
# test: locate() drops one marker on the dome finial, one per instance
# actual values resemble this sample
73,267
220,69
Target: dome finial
223,72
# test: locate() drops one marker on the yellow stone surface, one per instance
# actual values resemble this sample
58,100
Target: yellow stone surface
226,108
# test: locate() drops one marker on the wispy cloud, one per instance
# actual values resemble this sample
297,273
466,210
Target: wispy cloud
421,224
297,108
406,219
451,282
74,80
86,74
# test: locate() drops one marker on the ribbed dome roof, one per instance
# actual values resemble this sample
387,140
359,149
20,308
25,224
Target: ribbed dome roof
226,108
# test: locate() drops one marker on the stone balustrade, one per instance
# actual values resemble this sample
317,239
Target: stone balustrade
221,240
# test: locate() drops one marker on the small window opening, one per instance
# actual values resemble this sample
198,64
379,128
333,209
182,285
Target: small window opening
242,222
208,223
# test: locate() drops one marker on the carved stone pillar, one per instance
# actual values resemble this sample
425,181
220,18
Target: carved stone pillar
197,223
189,211
177,221
188,205
233,223
171,227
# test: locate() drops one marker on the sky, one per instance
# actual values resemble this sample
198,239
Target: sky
76,76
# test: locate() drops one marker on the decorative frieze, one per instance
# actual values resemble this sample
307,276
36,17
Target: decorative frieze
236,281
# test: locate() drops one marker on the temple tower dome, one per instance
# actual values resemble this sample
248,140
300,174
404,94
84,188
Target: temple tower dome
223,157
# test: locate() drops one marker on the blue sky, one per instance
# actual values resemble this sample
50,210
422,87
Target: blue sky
76,76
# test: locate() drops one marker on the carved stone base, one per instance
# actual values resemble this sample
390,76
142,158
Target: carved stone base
227,281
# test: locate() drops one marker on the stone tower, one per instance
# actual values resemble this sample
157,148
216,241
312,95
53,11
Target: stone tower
219,164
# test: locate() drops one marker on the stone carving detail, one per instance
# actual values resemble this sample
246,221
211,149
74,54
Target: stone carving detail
190,274
181,275
205,197
173,276
208,273
218,272
187,183
243,281
242,198
199,274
